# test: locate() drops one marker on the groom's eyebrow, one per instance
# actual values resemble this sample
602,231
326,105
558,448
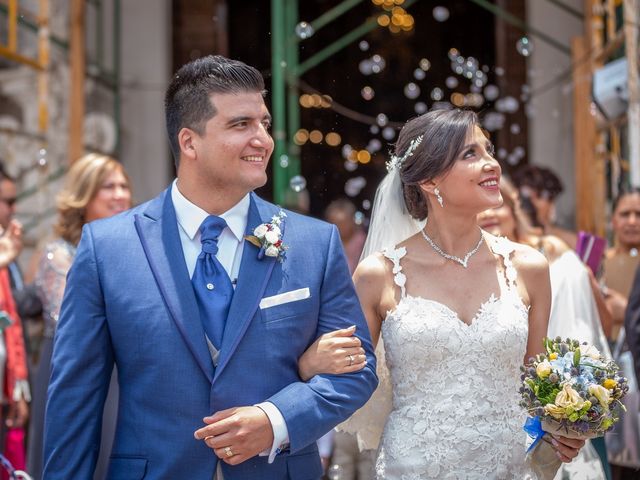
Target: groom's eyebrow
240,118
247,118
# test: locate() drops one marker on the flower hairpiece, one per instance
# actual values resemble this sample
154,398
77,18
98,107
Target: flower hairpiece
268,237
396,162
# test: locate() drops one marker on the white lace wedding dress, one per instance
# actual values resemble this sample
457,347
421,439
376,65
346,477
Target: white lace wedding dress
455,412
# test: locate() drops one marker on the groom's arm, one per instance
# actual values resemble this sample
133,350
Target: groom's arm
81,369
309,409
313,408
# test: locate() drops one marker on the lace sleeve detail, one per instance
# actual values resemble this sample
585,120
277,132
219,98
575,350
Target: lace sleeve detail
399,278
51,279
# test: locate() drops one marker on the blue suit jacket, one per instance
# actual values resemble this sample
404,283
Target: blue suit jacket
129,300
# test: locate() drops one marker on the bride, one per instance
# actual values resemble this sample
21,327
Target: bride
458,309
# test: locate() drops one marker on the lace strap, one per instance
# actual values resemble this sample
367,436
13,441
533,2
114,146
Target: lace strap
395,255
503,247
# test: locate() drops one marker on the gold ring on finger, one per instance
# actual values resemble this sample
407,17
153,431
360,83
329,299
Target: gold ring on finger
228,452
350,360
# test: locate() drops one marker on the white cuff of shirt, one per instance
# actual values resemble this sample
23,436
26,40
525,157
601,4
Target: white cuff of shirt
280,431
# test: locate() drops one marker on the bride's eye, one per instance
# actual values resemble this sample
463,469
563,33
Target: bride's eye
491,149
469,153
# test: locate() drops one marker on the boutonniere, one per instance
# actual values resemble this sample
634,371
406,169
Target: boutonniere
268,237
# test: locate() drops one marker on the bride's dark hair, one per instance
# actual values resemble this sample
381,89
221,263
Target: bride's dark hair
443,135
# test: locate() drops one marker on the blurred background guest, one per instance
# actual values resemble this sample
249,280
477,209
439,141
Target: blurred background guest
342,213
624,441
632,325
96,187
577,307
539,187
15,391
621,260
25,296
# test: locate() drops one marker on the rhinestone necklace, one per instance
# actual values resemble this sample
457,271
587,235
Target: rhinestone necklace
462,261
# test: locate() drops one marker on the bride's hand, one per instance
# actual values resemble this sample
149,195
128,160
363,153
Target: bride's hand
333,353
566,448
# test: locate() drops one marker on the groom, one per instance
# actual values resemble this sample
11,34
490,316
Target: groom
205,327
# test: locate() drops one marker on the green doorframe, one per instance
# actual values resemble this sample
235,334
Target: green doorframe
278,70
286,69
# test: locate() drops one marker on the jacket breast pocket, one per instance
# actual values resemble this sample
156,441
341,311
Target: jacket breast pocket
297,308
127,468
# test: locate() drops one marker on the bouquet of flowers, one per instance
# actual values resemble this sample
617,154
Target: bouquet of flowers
572,389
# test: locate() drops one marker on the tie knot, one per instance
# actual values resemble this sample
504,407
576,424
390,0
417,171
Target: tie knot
210,230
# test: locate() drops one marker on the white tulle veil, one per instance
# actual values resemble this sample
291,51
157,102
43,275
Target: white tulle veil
390,224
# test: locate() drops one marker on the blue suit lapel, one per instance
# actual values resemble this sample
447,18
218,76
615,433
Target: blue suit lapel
252,281
158,231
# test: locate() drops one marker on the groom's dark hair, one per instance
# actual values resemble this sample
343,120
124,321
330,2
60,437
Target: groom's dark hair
187,102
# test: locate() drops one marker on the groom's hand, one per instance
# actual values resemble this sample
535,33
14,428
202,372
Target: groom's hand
237,434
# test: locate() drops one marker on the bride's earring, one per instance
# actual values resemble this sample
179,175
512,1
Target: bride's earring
439,197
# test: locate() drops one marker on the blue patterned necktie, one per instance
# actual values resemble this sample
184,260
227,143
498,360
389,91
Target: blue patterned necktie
211,283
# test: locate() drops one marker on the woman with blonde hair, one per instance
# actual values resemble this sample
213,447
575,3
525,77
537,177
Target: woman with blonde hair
96,187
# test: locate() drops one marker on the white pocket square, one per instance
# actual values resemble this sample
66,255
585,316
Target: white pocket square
285,297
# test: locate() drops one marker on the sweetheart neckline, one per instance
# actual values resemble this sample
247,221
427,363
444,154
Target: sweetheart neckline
493,299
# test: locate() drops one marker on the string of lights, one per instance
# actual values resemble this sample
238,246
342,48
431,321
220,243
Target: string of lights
344,110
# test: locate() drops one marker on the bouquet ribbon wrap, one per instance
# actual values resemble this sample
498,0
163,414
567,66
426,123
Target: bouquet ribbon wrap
533,427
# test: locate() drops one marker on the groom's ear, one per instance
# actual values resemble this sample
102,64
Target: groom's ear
186,140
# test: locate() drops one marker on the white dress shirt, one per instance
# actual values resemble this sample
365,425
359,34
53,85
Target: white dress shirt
230,247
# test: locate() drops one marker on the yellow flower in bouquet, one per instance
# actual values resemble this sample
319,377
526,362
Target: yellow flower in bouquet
555,411
567,402
568,397
543,369
601,393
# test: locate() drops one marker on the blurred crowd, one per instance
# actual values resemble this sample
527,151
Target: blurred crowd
596,297
96,187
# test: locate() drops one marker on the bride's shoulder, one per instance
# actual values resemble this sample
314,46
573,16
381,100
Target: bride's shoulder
378,269
373,267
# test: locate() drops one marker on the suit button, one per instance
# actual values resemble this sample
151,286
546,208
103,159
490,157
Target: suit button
210,286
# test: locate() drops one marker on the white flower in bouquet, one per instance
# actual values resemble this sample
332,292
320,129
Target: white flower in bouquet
590,351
